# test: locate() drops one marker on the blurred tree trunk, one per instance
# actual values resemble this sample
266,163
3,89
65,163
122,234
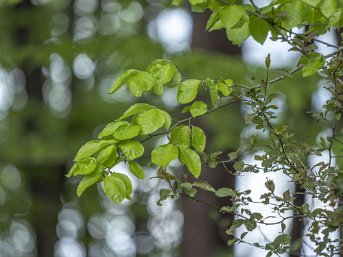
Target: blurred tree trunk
202,234
45,180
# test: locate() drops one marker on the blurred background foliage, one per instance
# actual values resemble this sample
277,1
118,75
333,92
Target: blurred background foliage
57,61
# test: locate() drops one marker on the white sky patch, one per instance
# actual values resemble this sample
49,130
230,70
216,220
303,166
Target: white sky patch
173,28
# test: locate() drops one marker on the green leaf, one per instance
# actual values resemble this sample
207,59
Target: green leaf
198,139
250,225
225,86
238,35
214,22
230,15
187,91
164,194
204,185
136,169
132,149
151,120
140,82
258,28
114,188
163,70
313,63
135,109
106,153
121,80
127,182
225,192
177,2
282,239
126,131
213,91
167,120
90,148
314,3
89,180
109,129
163,154
83,167
180,135
328,7
198,108
191,160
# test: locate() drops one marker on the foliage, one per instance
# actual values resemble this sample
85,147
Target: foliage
276,147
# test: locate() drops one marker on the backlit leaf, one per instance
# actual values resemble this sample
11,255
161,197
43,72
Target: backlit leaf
230,15
258,28
140,82
132,149
187,91
163,154
198,139
126,131
90,148
83,167
191,160
89,180
136,169
135,109
180,135
151,120
114,188
121,80
127,182
198,108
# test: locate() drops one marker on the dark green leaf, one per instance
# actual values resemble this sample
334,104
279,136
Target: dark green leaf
164,194
258,28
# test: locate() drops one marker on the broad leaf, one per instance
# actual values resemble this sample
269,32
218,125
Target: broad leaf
127,182
126,131
191,160
140,82
187,91
204,185
167,120
313,63
89,180
225,86
328,7
238,35
114,188
151,120
109,129
132,149
198,138
121,80
136,169
198,108
90,148
83,167
230,15
163,154
164,194
106,153
135,109
163,70
225,192
180,135
258,28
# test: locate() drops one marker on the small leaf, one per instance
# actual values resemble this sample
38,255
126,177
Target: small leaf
198,108
204,185
132,149
89,180
127,182
151,120
213,91
214,22
163,154
135,109
191,160
177,2
225,87
90,148
109,129
126,131
114,188
250,224
140,82
258,28
198,138
180,135
225,192
136,169
187,91
313,63
238,35
164,194
121,80
83,167
106,153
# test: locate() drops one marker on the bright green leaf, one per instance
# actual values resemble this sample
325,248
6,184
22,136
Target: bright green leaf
109,129
121,80
163,70
258,28
167,120
191,160
187,91
114,188
126,131
106,153
135,109
213,91
198,108
230,15
198,139
180,135
90,148
204,185
136,169
140,82
238,35
127,182
151,120
225,192
163,154
328,7
313,63
225,86
83,167
89,180
132,149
